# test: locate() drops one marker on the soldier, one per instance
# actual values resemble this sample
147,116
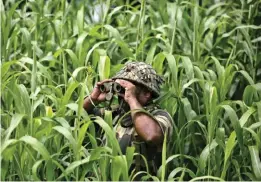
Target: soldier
143,131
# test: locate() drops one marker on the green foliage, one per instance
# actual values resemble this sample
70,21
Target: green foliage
53,52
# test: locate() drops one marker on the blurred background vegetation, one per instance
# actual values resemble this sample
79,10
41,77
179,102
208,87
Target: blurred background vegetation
53,52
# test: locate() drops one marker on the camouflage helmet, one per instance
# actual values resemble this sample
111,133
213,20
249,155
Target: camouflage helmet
141,73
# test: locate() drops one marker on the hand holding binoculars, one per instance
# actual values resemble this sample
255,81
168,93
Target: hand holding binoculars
111,88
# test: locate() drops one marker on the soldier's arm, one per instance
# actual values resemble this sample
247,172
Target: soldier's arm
146,126
95,98
89,105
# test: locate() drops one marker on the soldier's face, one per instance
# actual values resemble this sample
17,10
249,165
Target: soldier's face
143,95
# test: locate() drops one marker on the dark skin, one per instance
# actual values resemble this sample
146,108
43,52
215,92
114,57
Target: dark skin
146,127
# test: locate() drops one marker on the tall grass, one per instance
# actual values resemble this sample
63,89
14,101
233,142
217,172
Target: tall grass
53,52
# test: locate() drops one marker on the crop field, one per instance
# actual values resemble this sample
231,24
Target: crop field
54,51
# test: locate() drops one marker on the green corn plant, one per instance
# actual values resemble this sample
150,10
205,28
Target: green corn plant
53,52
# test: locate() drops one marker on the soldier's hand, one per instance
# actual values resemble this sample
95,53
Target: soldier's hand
130,90
97,95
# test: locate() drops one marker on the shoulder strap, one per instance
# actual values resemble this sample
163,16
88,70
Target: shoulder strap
151,107
162,113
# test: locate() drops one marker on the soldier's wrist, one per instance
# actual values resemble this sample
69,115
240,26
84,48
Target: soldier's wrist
93,101
133,101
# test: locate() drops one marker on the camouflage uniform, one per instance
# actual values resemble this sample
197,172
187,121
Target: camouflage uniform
142,74
127,136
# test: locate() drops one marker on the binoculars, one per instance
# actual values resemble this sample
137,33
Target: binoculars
111,88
